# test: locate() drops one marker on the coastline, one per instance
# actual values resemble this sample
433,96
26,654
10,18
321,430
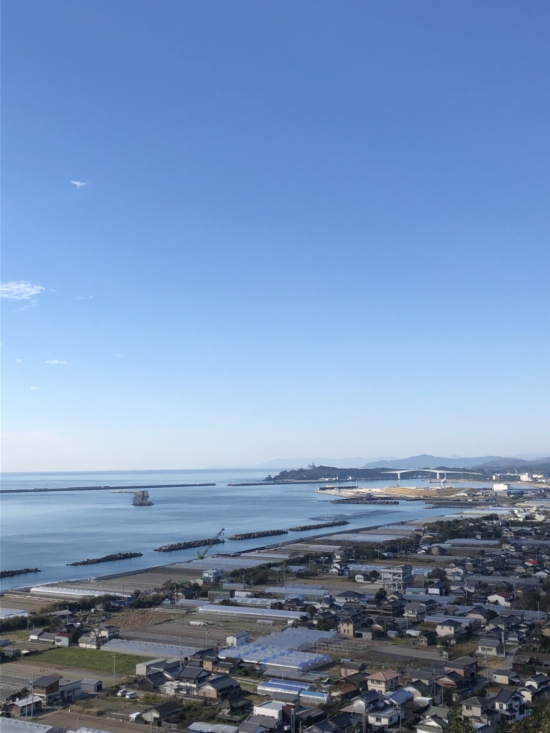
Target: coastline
310,539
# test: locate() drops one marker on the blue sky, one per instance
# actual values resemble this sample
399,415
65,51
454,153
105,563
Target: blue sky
314,228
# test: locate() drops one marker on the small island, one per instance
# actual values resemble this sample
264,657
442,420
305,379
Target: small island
108,558
13,573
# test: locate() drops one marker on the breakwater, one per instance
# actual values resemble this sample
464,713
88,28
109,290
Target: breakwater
107,558
13,573
322,525
101,488
254,535
364,501
189,544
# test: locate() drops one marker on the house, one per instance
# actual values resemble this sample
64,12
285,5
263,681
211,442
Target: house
385,717
538,682
349,596
220,688
448,628
27,706
152,681
349,667
480,709
414,611
91,641
47,685
62,638
383,682
424,675
108,631
523,663
534,688
366,702
450,680
66,616
490,646
506,677
431,724
437,588
337,724
503,598
427,638
160,712
193,674
465,667
510,705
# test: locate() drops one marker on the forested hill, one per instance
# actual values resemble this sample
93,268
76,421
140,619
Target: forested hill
320,472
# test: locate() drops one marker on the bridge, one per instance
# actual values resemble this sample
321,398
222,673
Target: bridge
438,471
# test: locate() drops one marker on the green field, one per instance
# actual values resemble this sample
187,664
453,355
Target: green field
93,659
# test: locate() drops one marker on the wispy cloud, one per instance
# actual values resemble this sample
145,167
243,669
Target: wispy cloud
19,361
55,361
19,290
33,389
79,184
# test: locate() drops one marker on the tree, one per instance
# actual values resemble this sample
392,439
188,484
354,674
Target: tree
457,723
380,596
537,722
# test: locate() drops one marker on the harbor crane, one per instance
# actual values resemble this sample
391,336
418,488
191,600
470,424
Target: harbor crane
213,541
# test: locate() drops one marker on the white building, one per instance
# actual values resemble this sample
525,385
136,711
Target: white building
239,638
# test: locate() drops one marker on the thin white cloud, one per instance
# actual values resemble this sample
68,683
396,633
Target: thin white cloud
55,361
19,361
32,389
79,184
19,290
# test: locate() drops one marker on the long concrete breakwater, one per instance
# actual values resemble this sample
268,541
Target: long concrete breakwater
108,558
102,488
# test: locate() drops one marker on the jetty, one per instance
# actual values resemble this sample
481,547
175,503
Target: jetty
254,535
108,558
189,544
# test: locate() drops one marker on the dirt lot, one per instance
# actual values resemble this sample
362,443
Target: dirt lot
73,721
22,602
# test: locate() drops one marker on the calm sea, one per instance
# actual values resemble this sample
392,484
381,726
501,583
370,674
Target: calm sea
48,530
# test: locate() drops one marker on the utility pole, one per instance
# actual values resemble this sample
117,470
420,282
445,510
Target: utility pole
114,670
32,697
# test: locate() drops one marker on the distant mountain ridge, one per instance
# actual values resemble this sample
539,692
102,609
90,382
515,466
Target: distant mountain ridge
427,461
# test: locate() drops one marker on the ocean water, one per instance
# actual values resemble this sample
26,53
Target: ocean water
49,530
